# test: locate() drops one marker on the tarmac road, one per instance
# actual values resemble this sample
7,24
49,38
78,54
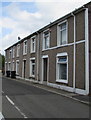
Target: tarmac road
20,100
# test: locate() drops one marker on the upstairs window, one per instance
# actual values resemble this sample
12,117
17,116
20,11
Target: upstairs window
46,39
10,54
18,50
33,39
62,33
13,52
25,47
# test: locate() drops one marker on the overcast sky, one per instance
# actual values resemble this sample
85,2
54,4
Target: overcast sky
19,18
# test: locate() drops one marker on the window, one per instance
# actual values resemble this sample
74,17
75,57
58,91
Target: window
18,50
9,66
62,33
33,44
46,39
32,67
25,47
62,68
13,52
17,67
13,66
10,53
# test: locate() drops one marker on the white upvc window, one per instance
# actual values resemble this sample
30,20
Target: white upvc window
13,52
33,41
13,66
9,66
10,53
18,50
46,39
25,47
32,67
62,68
62,33
17,67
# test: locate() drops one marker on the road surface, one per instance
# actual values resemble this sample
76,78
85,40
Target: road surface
20,100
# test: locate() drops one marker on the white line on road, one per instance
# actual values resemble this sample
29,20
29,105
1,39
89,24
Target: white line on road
16,107
10,100
21,112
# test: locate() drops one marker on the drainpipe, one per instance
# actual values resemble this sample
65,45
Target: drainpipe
86,52
74,70
37,56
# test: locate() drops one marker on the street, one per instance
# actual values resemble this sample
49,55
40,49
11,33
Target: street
20,100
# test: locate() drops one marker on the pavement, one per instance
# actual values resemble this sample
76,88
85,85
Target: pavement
81,98
31,100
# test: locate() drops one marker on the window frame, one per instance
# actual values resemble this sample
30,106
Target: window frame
44,48
57,67
24,53
10,53
13,66
31,67
58,33
9,66
17,61
18,50
13,52
33,51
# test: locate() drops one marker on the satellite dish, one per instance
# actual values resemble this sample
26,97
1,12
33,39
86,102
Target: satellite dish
19,38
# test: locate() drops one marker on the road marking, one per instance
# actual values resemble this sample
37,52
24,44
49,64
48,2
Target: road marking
10,100
16,107
81,101
1,116
21,112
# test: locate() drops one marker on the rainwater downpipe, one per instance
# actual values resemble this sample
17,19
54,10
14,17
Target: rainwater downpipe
74,69
37,56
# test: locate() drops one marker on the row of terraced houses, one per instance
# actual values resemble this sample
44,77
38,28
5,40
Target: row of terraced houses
58,55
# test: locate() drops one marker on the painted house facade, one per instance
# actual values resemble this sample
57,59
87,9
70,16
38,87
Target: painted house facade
58,54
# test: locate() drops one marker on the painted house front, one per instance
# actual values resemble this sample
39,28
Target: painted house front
58,55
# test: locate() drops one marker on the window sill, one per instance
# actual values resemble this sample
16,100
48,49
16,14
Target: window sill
45,49
63,45
24,53
32,76
62,81
17,56
32,51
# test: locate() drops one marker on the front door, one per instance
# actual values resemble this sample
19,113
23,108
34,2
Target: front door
45,69
24,68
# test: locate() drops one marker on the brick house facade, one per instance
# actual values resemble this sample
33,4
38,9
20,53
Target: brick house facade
58,55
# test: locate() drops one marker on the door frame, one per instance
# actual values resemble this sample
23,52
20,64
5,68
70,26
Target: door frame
43,57
23,68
